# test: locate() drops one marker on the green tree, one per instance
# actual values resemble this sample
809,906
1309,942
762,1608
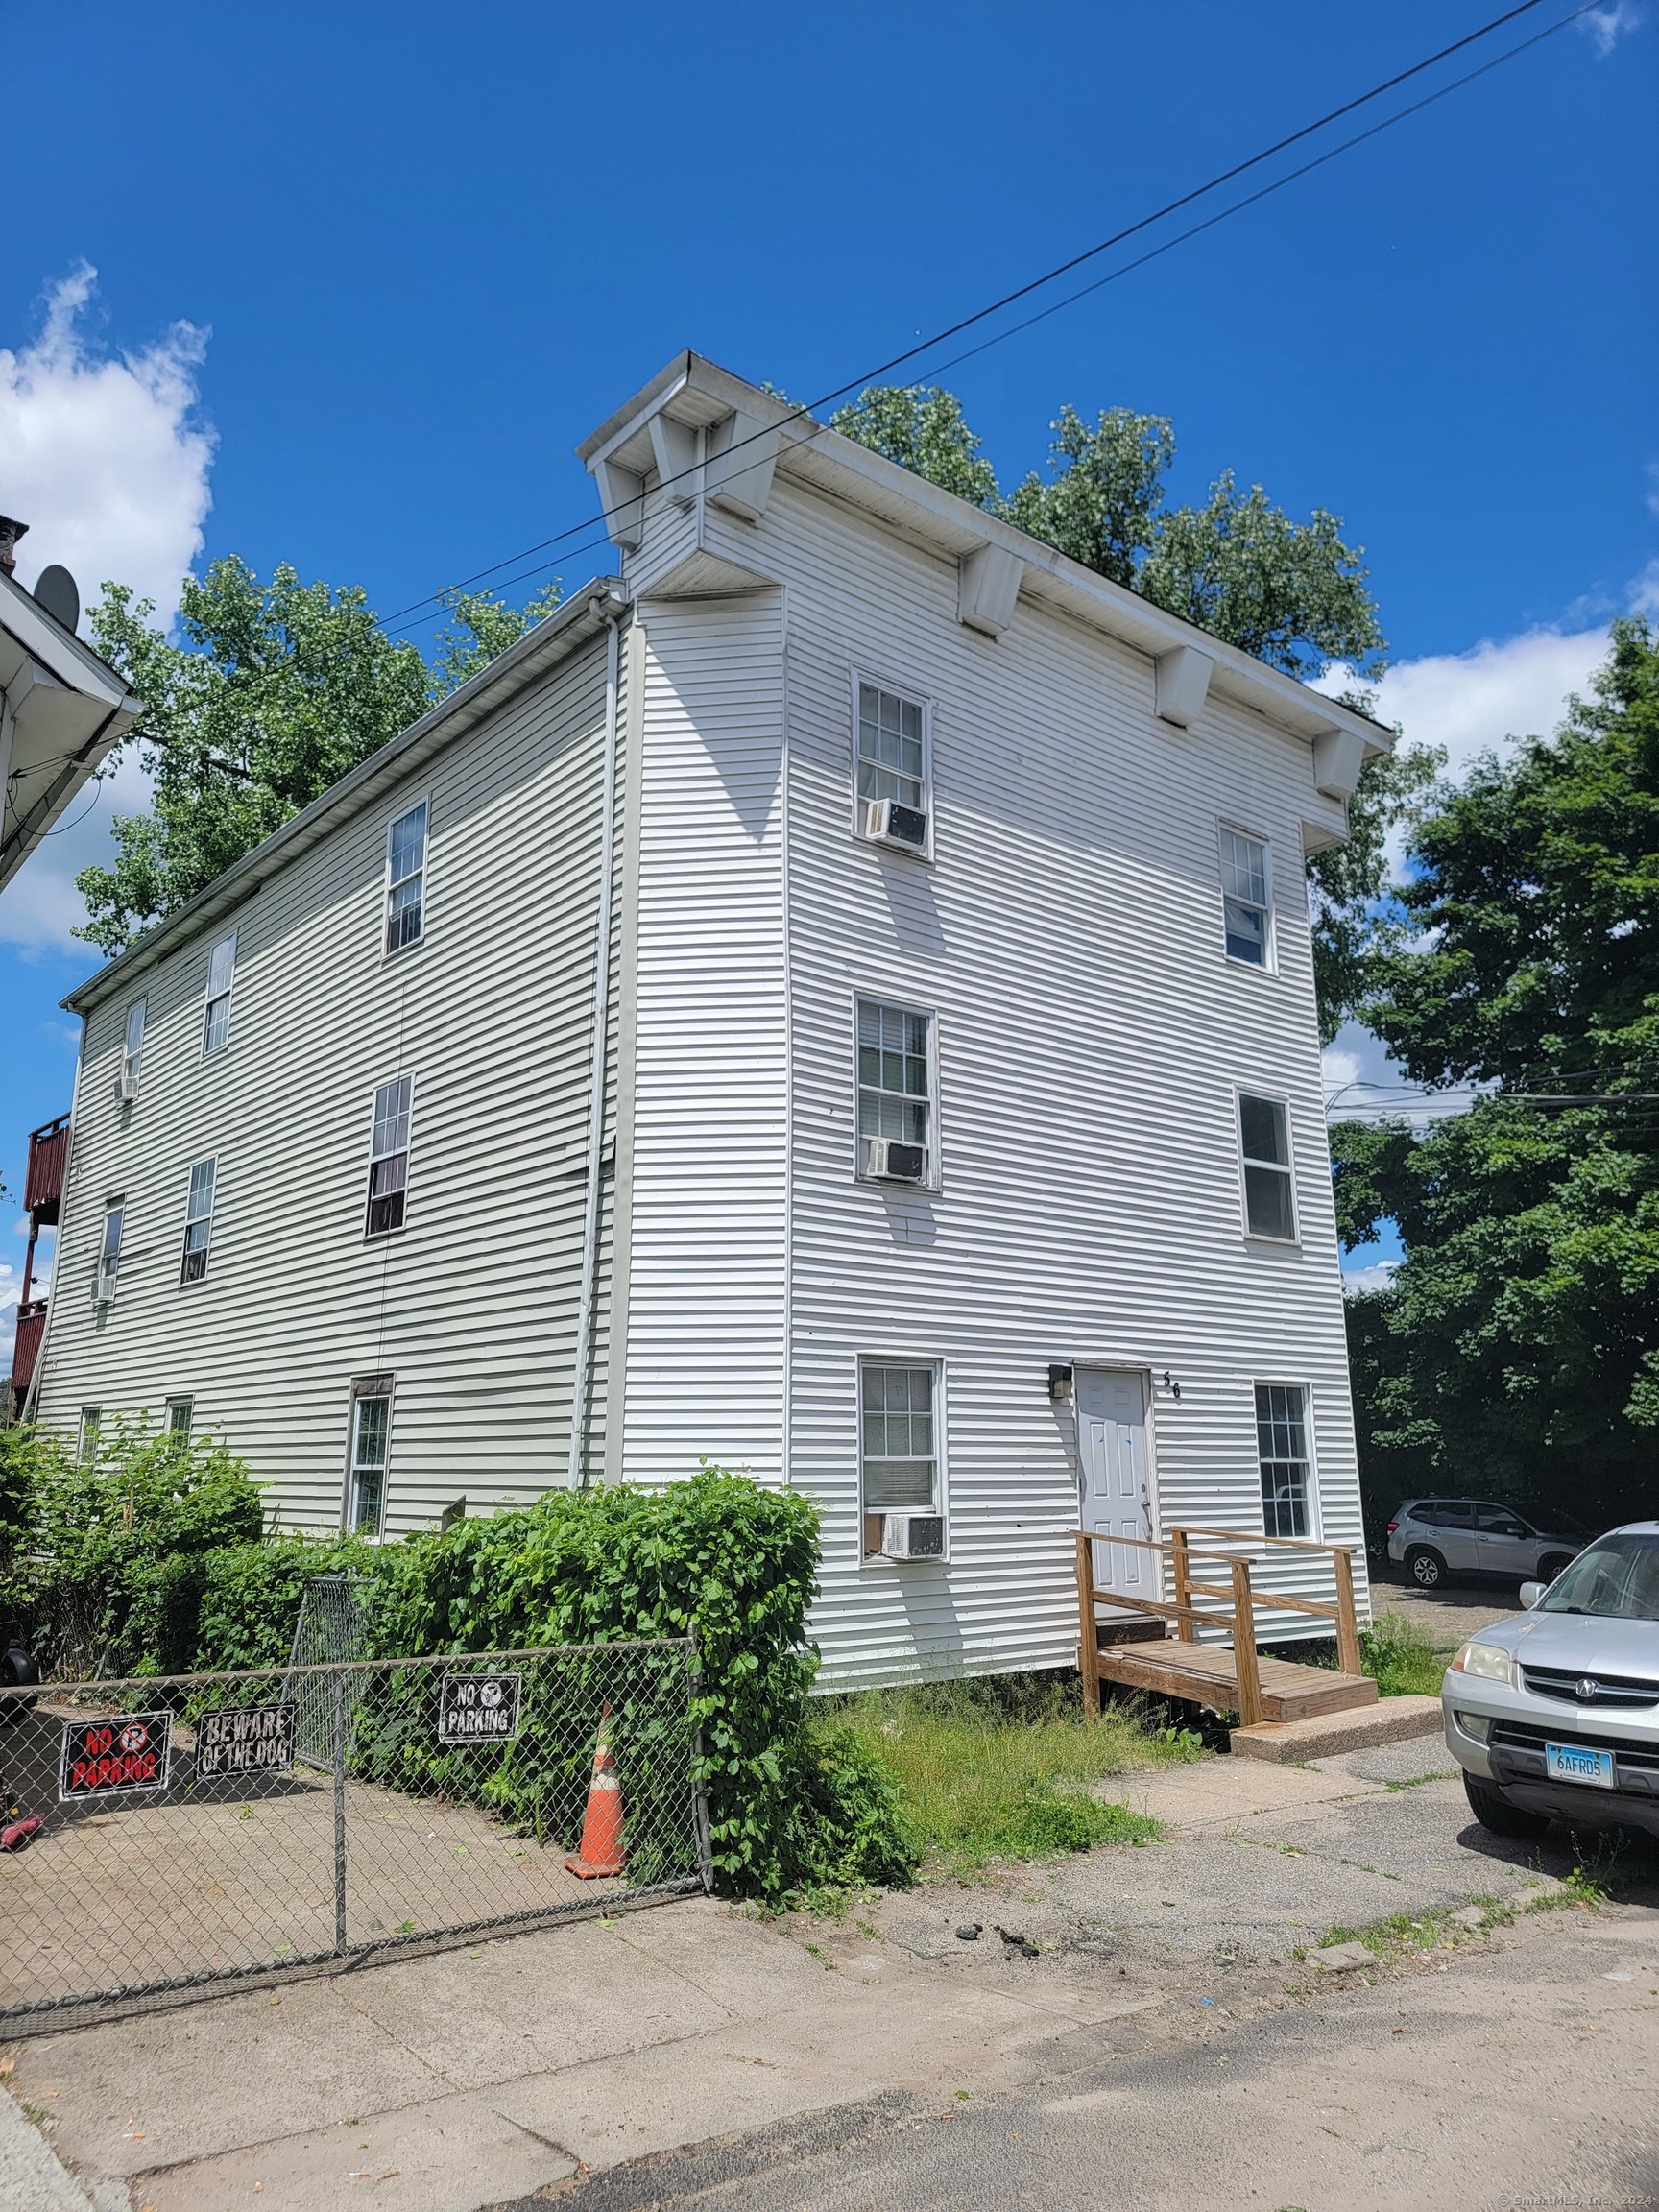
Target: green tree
922,428
274,691
1106,486
1517,1348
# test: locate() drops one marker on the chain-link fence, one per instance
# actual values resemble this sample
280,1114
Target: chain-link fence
185,1833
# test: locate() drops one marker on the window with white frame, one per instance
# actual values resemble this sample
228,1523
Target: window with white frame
897,1438
1244,902
406,878
198,1221
1264,1140
87,1443
389,1157
179,1411
892,748
370,1454
895,1082
110,1251
133,1049
216,1012
1282,1447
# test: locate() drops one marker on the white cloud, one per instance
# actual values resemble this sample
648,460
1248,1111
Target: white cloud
1502,687
103,456
1607,25
1377,1277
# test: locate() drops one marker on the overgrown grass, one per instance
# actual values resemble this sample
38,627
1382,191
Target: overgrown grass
1401,1659
1001,1768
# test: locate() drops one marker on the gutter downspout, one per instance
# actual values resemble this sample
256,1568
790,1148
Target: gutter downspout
589,1293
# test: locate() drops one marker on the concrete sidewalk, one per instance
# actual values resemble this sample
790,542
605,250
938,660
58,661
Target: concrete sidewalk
445,2083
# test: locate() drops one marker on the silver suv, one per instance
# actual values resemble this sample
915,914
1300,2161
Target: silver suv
1434,1537
1555,1715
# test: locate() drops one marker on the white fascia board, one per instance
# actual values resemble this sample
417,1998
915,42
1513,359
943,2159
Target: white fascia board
525,661
698,390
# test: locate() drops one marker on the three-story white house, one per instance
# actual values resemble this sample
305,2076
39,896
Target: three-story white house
836,999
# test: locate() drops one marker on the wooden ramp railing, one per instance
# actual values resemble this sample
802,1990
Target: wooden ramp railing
1239,1686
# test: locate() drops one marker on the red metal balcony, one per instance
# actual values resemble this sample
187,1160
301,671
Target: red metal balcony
48,1160
31,1328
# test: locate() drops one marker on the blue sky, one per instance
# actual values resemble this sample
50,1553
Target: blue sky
365,274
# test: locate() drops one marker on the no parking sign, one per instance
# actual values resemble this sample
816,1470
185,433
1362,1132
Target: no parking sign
116,1757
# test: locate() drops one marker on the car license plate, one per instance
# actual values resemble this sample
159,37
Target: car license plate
1576,1763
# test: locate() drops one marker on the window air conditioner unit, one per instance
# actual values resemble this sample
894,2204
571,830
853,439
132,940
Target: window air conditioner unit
127,1086
888,1161
106,1291
887,822
913,1536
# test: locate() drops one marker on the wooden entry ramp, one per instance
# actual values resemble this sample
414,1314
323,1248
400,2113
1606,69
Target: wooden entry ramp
1228,1677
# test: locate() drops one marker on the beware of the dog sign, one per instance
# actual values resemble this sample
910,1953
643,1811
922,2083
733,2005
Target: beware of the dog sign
246,1740
479,1708
119,1756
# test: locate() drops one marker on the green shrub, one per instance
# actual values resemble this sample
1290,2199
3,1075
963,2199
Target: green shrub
1400,1658
103,1561
718,1556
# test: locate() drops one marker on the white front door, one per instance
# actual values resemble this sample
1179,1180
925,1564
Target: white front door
1112,1434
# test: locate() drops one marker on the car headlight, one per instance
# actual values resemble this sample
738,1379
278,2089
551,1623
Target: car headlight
1487,1660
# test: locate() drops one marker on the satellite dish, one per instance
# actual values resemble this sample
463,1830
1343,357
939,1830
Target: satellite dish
55,590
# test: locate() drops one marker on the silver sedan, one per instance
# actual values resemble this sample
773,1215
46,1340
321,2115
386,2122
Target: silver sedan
1555,1714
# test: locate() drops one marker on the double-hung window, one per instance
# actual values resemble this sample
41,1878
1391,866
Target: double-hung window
389,1157
179,1416
898,1442
216,1012
133,1049
1244,902
198,1221
370,1452
1264,1140
1282,1447
406,878
895,1093
87,1443
893,766
110,1251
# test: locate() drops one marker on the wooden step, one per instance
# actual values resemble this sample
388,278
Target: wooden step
1204,1674
1128,1628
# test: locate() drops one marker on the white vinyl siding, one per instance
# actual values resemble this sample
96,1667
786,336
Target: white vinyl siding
198,1221
1264,1149
497,1023
1282,1447
389,1157
1245,906
406,879
216,1008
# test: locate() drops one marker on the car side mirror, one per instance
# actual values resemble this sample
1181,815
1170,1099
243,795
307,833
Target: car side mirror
1531,1592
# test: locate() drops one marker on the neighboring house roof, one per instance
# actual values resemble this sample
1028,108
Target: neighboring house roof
531,655
61,711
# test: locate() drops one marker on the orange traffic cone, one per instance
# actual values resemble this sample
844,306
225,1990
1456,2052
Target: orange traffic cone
601,1851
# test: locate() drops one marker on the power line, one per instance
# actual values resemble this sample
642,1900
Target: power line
1023,291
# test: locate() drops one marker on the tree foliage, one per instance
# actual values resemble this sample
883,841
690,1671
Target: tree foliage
273,692
1517,1349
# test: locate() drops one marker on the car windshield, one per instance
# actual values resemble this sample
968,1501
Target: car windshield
1617,1578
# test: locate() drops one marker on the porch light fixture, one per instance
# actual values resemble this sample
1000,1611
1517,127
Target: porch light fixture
1060,1380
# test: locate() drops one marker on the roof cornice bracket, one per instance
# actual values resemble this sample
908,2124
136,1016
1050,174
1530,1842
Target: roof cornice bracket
737,469
1183,685
987,586
622,495
674,446
1338,756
